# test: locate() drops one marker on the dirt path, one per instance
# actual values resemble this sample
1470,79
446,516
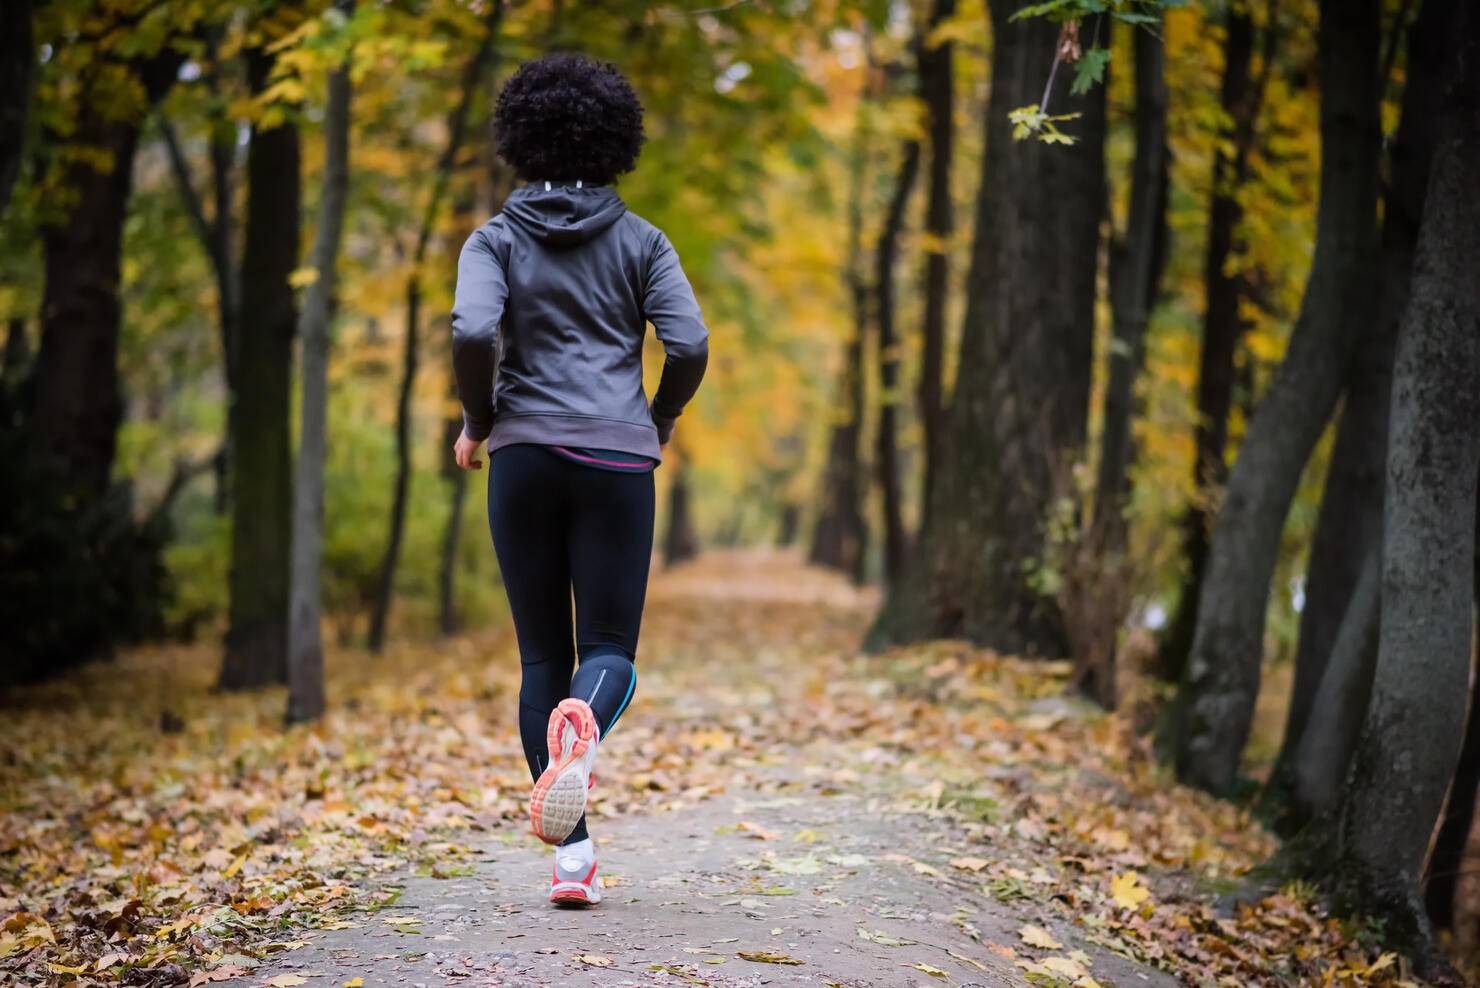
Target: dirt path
784,855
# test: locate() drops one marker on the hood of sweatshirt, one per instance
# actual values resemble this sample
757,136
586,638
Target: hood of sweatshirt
563,215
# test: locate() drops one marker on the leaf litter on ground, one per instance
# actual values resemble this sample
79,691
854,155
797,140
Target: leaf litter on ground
161,850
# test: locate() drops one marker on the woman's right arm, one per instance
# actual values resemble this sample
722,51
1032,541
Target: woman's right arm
477,308
670,306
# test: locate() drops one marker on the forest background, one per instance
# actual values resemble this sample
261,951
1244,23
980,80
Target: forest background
995,295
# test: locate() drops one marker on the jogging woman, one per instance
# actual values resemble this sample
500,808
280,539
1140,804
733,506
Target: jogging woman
556,292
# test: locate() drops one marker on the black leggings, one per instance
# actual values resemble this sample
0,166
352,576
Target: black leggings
559,526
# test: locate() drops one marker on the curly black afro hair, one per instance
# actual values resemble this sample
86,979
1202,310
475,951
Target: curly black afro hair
566,117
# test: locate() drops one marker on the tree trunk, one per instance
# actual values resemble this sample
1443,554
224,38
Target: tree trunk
937,89
78,403
1215,704
480,65
1447,858
841,534
305,639
1136,266
1319,761
888,451
681,542
261,447
1349,525
1410,741
1223,326
17,69
1021,401
16,361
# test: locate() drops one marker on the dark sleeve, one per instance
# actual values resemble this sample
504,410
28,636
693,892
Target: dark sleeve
476,310
669,304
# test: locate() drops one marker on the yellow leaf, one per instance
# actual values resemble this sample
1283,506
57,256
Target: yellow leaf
934,972
962,957
1065,966
303,277
765,957
1037,936
234,867
354,983
1127,890
286,981
594,960
969,864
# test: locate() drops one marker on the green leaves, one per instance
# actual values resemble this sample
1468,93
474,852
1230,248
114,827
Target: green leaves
1089,70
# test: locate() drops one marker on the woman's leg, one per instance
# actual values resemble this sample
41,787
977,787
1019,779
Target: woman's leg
529,517
611,544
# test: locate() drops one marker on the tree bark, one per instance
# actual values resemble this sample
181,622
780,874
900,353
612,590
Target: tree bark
1349,525
888,451
841,534
937,89
1021,401
1411,738
480,65
1136,266
1215,704
1242,95
17,70
261,448
1319,761
305,638
78,401
1447,858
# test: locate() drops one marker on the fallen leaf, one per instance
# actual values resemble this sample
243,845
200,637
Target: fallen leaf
594,960
1037,936
286,981
934,972
1127,891
1063,965
882,939
755,830
354,983
223,972
764,957
962,957
969,864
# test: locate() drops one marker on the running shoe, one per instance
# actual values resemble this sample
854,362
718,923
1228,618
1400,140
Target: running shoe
559,797
574,881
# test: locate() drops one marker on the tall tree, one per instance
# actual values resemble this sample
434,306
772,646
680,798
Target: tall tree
1411,737
261,448
17,70
78,399
680,541
888,451
1136,262
937,89
477,68
1348,534
1022,394
841,533
305,640
1241,96
1215,703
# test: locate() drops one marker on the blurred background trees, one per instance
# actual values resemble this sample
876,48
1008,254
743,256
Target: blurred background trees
1118,391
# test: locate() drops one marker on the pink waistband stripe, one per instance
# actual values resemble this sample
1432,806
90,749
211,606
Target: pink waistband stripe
605,463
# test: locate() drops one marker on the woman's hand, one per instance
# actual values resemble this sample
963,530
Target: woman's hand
464,451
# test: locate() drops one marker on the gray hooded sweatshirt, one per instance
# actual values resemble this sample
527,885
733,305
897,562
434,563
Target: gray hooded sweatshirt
564,282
